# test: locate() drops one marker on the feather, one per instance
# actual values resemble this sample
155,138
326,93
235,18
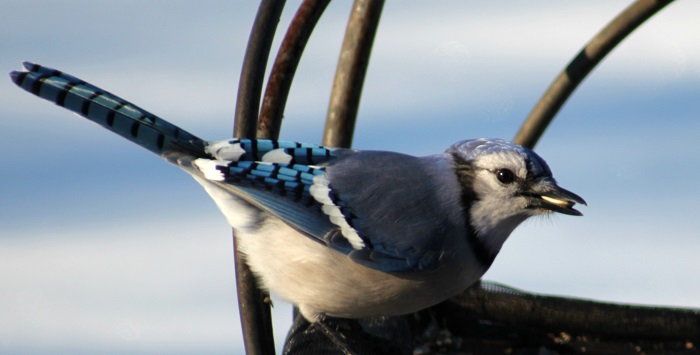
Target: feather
107,110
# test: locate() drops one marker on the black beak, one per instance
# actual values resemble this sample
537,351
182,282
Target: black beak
556,199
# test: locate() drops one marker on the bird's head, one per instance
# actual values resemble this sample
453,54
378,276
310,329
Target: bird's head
503,184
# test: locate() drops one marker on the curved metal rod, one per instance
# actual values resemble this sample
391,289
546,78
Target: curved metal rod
350,74
253,70
591,54
256,322
285,66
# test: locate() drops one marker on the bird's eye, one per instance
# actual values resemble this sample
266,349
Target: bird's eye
505,176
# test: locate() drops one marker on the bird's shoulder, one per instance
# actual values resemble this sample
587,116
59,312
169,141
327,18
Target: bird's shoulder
401,204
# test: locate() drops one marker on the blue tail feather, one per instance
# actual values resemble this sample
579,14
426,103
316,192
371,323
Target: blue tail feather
144,128
107,110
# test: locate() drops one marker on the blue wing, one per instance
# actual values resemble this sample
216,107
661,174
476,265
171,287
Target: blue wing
406,207
388,199
285,191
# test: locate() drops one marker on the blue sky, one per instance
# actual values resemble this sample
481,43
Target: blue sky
106,248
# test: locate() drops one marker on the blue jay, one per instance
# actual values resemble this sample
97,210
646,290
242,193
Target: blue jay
341,232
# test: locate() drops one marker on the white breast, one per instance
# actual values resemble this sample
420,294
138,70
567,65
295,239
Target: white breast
320,280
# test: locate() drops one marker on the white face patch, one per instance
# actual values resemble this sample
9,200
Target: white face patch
486,183
510,160
320,191
225,150
496,212
487,186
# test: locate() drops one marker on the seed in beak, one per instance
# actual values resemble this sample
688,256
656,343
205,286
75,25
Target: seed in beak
557,202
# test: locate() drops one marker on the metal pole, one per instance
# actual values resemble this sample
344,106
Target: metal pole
253,70
256,322
350,74
591,54
282,74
